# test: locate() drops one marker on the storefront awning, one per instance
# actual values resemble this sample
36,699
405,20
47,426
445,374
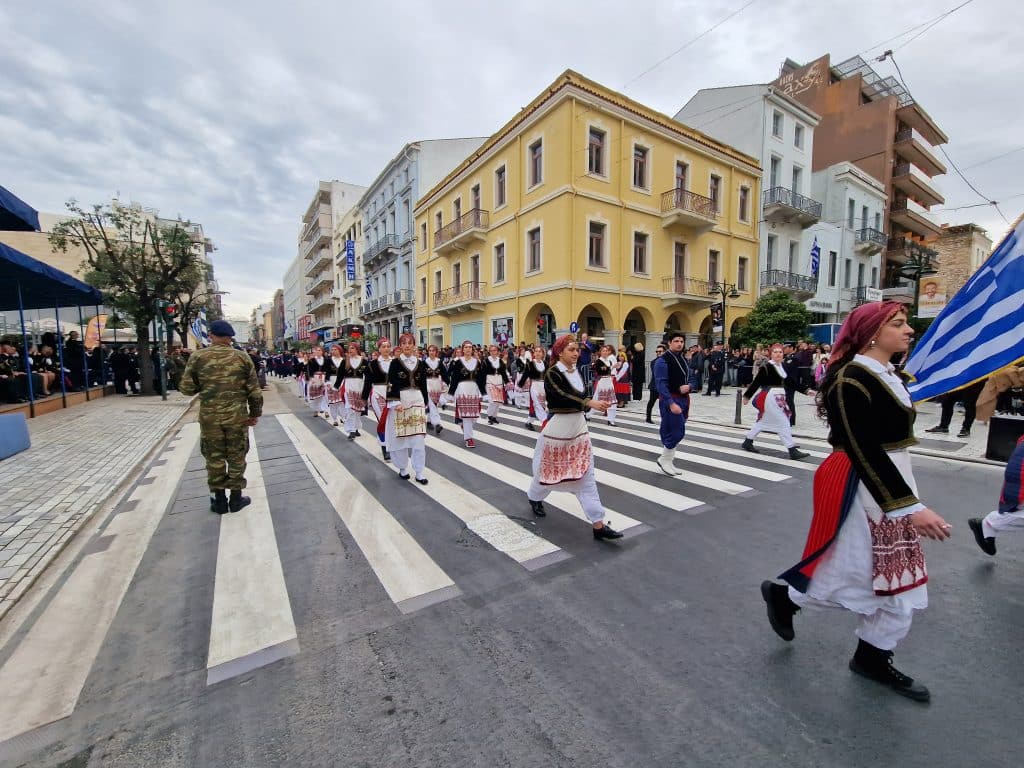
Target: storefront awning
41,286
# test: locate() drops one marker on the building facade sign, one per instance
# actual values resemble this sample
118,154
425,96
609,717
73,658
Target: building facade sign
350,260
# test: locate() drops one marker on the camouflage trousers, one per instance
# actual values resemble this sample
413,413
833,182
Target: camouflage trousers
224,447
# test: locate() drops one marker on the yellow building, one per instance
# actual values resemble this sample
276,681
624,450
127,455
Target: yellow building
587,208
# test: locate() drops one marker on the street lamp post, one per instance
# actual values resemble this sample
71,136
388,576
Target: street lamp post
726,291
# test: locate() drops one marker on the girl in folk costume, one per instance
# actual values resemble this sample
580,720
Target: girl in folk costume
436,381
335,389
406,416
374,392
563,459
532,381
466,388
771,384
623,382
511,366
863,551
495,374
351,376
604,381
300,374
316,372
524,362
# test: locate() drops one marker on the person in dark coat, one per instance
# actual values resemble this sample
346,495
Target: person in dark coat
638,371
716,369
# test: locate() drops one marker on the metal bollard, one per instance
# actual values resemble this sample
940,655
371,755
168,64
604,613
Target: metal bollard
739,408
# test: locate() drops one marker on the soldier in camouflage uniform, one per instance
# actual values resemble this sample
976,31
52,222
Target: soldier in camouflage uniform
230,402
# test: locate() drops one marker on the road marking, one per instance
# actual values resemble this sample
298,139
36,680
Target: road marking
486,521
252,623
407,573
43,678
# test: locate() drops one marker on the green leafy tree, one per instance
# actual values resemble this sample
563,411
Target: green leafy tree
133,260
775,317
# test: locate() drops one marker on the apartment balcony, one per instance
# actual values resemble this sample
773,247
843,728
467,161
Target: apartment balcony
320,302
903,250
914,117
469,228
682,290
325,278
914,183
468,297
681,208
392,301
800,287
317,260
386,246
913,146
784,205
323,323
869,241
914,218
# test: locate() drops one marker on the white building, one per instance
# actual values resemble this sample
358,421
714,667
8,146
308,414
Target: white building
294,297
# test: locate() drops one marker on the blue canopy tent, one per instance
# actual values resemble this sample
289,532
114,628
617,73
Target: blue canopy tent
16,214
27,283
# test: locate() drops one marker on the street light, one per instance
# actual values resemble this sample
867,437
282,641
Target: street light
725,290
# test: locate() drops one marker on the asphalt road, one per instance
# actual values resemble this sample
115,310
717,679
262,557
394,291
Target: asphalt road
653,651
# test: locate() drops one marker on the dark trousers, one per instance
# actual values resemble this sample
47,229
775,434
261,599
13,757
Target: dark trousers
651,402
791,402
969,397
673,425
715,382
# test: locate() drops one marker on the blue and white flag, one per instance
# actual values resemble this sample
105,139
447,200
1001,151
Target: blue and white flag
815,257
369,290
199,329
980,330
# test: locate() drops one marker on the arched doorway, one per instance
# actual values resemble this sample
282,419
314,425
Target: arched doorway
736,327
539,326
593,320
635,327
705,336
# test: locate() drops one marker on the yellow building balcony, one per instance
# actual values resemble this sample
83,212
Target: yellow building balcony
469,228
467,297
681,208
913,146
685,290
914,183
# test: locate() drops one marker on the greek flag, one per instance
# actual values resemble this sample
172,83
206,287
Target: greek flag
815,257
980,330
369,290
199,329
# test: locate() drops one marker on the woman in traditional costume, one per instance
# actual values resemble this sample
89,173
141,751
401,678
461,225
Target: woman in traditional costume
466,388
863,551
604,381
300,374
623,382
351,377
315,373
375,385
531,380
770,384
563,459
436,385
406,416
495,374
335,391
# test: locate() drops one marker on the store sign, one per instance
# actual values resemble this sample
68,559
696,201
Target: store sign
873,294
817,305
350,260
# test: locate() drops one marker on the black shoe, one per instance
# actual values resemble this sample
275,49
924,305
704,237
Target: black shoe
780,609
219,502
422,480
356,433
796,454
352,435
707,394
491,420
538,508
606,532
964,433
403,475
938,430
237,501
649,420
748,445
876,664
987,543
384,452
437,429
458,421
529,426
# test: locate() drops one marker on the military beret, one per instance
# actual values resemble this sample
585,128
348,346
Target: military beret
221,328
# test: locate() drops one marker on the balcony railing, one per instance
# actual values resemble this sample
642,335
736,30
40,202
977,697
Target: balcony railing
782,203
687,286
458,294
870,240
471,224
912,144
402,296
912,180
382,246
777,278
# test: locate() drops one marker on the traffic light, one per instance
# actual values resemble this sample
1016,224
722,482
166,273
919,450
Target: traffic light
166,311
540,324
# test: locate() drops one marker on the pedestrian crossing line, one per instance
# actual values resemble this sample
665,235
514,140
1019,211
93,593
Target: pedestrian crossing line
520,481
252,623
43,678
726,431
653,493
486,521
407,573
706,481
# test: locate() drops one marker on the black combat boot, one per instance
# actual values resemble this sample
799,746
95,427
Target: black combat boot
237,500
748,445
876,664
780,609
796,454
538,508
219,502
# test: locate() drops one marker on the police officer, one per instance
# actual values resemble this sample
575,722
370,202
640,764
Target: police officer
716,369
230,402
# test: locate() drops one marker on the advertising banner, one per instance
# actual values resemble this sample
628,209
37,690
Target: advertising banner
94,331
931,295
717,317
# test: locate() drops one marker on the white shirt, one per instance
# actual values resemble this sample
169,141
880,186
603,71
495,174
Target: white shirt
573,376
470,363
778,367
538,364
495,361
410,361
432,362
385,363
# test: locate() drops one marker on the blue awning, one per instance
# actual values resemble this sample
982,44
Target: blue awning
16,214
42,286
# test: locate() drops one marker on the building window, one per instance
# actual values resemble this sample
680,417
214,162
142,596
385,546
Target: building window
474,269
640,157
499,187
437,286
777,124
744,212
533,250
798,136
794,254
850,212
798,177
832,269
423,236
863,218
713,266
878,222
860,275
457,276
770,251
423,290
682,175
595,248
715,193
536,154
439,220
499,263
595,151
640,253
679,260
741,273
874,277
773,174
457,209
474,196
847,269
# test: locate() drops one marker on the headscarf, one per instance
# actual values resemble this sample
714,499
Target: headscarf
862,325
406,337
382,341
561,343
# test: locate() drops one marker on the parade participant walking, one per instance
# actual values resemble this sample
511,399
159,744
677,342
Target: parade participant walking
315,381
716,370
863,552
335,391
532,381
604,381
436,384
466,388
623,381
674,380
375,385
1010,513
301,380
350,378
495,378
653,397
586,362
772,407
406,425
230,402
563,459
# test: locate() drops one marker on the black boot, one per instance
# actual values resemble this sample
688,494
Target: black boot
219,502
748,445
538,508
237,500
796,454
876,664
780,609
986,543
606,533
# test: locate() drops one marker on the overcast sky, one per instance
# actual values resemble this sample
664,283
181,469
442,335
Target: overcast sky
228,116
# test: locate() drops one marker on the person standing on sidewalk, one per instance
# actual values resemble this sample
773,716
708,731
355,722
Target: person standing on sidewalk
716,370
969,397
230,402
653,397
674,380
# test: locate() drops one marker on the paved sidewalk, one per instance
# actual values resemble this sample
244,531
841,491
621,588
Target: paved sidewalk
722,411
78,459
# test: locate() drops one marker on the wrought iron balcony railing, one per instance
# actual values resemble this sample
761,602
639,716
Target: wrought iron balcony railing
474,219
778,278
459,293
685,200
791,199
